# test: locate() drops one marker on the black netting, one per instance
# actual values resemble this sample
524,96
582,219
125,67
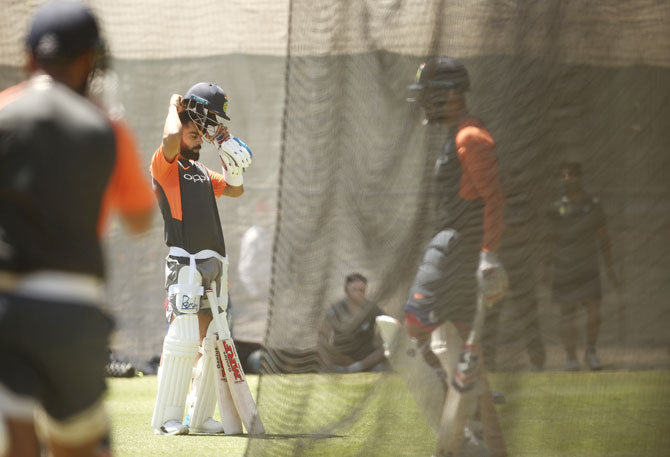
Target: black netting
553,83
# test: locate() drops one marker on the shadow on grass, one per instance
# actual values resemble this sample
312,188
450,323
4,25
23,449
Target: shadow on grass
273,436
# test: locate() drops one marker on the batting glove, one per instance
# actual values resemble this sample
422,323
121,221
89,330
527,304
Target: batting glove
236,156
491,278
236,152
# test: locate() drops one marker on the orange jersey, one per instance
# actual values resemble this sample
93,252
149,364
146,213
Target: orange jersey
186,192
166,174
63,167
468,194
479,179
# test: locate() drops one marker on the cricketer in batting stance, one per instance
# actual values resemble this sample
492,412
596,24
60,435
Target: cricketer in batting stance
197,271
436,348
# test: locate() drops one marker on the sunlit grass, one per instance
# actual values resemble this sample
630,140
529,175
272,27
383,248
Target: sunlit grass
551,414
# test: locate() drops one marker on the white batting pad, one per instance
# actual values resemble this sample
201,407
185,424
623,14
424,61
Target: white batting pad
407,359
180,348
446,344
202,399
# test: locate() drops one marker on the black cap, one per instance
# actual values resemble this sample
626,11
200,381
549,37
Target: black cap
211,96
62,29
441,73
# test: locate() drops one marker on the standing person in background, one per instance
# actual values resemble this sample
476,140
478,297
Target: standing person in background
517,252
461,260
186,192
64,165
255,259
577,233
347,338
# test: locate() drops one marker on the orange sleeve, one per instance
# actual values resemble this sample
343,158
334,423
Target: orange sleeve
218,183
161,169
476,151
166,175
128,190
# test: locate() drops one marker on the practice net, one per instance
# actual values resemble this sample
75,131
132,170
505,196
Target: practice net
341,182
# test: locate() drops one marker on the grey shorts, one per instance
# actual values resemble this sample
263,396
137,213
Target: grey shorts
210,269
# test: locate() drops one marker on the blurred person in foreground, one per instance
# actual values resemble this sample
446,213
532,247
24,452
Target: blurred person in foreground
577,233
347,338
460,274
64,165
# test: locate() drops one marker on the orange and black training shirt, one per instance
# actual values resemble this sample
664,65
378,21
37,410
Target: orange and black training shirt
470,197
63,167
186,192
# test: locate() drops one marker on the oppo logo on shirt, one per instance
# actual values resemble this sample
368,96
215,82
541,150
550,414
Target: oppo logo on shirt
194,178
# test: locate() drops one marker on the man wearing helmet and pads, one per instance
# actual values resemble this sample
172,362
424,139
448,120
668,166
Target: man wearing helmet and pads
460,274
63,165
186,192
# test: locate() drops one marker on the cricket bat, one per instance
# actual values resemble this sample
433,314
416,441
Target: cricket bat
462,395
235,378
230,420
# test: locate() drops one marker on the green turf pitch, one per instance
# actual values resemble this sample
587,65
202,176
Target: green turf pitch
551,414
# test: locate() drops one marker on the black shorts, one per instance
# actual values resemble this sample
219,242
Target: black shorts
54,352
568,289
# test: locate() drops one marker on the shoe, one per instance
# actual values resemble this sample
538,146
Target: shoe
172,427
592,360
209,426
572,365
